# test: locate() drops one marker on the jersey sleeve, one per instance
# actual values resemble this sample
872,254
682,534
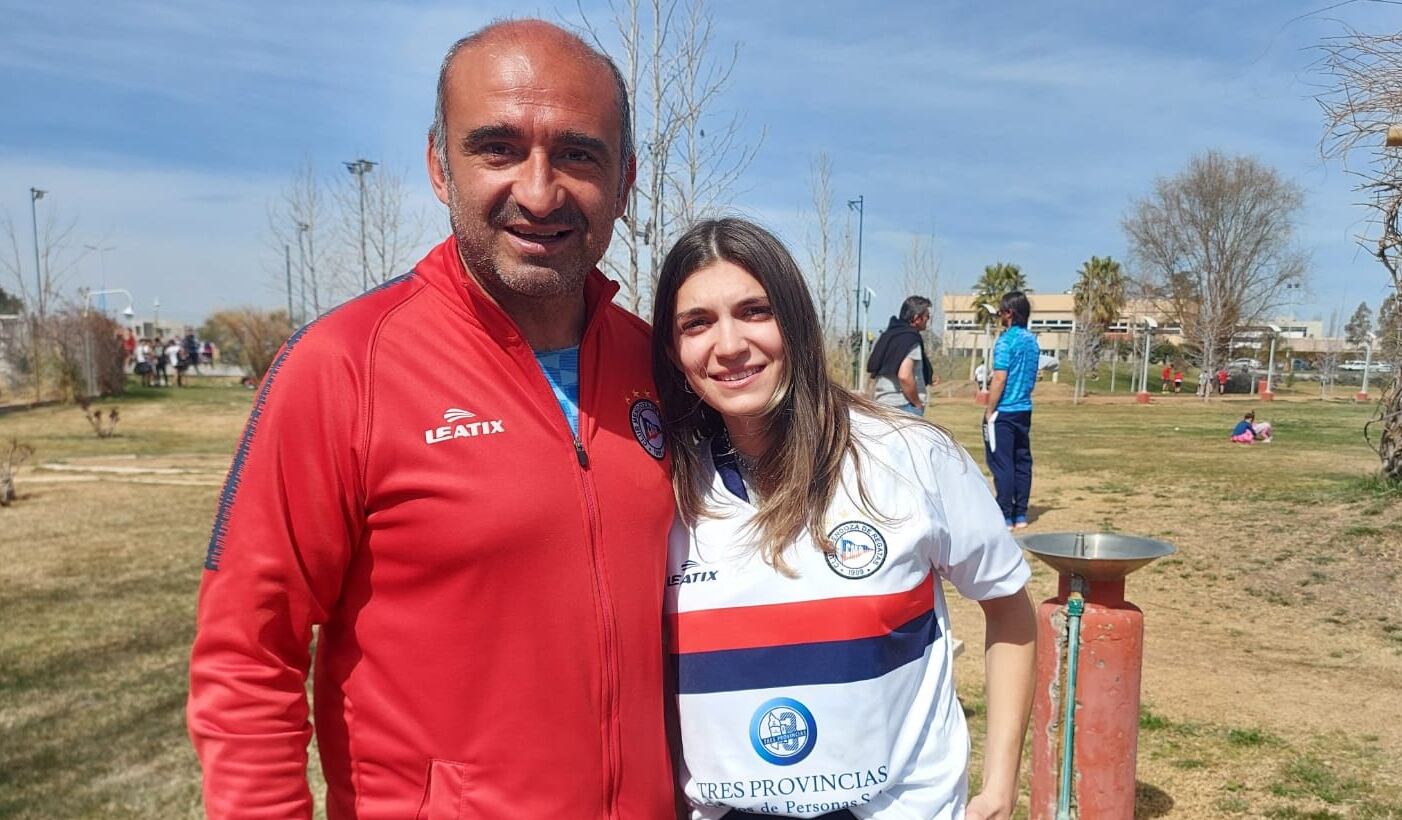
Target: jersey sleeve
974,551
288,518
1002,353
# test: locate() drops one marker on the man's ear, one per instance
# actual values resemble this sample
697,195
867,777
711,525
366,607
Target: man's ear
437,174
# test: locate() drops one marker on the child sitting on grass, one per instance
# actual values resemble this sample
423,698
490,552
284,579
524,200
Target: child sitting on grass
1247,430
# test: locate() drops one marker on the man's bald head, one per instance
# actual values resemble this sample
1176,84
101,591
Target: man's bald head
540,31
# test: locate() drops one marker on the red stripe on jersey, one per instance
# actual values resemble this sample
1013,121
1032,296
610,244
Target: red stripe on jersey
829,619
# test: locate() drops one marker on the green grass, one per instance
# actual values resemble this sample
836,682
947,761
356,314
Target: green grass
98,583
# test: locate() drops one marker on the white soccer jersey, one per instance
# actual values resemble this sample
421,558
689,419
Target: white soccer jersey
834,689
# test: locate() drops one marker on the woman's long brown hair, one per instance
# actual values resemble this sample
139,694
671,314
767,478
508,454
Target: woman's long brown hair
808,418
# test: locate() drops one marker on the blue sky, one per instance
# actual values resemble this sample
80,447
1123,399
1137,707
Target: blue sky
1014,131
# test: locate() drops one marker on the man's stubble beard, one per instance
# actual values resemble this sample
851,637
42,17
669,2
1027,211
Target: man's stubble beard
523,279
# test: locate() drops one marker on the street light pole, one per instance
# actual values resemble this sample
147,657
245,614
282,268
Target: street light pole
1367,365
302,228
1142,397
858,205
360,168
34,196
1270,365
868,295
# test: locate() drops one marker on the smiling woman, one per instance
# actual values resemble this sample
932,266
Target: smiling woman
857,512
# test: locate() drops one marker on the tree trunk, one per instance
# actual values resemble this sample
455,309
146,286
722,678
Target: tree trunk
1390,442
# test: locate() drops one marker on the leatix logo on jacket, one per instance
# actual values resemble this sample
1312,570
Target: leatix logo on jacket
458,426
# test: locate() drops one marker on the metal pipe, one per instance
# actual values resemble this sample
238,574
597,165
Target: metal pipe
1075,606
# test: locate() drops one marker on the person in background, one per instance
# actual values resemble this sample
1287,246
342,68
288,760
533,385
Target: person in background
1007,418
1222,376
128,348
161,376
176,358
191,348
1177,381
144,367
1248,430
899,365
1166,378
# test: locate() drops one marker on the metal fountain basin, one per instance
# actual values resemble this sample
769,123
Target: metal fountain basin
1095,556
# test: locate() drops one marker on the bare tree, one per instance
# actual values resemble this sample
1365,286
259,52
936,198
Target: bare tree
706,167
920,269
1363,101
826,265
250,335
302,219
15,455
1086,341
675,79
41,291
1215,248
1329,356
393,232
59,255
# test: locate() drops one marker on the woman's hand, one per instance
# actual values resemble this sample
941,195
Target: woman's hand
987,807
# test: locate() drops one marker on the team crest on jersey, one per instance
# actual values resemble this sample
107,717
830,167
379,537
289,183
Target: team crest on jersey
858,550
646,419
783,731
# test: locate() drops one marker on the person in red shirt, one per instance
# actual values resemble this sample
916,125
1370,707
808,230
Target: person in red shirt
1178,381
128,348
1222,381
457,484
1165,378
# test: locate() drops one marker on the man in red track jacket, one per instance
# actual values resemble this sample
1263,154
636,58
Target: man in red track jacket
484,559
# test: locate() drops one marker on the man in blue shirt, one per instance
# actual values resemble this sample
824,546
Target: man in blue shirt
1007,418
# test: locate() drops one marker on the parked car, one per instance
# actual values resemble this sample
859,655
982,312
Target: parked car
1247,364
1356,365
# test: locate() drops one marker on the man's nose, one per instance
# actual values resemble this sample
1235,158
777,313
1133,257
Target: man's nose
537,189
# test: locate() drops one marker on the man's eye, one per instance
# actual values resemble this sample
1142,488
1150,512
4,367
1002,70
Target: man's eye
578,155
495,149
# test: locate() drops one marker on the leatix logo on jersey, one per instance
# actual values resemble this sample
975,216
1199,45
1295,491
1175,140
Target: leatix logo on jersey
689,575
783,731
858,550
458,426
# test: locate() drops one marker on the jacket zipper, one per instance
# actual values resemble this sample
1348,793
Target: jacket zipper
611,686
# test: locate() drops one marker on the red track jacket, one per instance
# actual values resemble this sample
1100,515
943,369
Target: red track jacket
488,588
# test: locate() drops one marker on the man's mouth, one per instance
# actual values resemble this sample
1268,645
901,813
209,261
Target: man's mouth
538,238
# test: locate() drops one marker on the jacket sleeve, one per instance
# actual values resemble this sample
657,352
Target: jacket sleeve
289,518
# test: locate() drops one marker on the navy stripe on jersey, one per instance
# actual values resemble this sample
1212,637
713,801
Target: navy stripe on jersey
805,664
215,551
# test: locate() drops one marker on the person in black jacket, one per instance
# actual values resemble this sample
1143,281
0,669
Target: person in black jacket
899,366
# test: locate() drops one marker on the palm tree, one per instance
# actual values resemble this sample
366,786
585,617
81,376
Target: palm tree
1100,291
997,279
1099,295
